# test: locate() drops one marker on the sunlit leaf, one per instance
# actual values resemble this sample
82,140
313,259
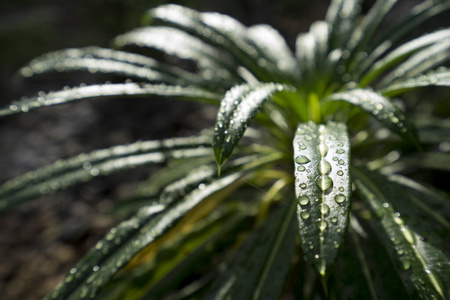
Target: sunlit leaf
322,186
107,91
381,108
237,109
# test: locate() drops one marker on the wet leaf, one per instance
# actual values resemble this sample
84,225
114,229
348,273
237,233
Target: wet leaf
422,266
106,91
323,189
382,109
237,109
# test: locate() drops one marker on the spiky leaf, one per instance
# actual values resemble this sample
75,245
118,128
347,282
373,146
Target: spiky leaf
322,185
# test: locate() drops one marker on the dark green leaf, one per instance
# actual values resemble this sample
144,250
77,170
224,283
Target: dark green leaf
84,167
382,109
107,91
323,189
423,267
259,267
123,242
430,160
341,16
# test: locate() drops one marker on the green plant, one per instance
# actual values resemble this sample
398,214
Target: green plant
310,110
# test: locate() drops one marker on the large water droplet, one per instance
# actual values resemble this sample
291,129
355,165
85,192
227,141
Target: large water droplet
324,182
340,173
301,159
322,225
305,215
324,167
323,149
303,200
339,198
324,209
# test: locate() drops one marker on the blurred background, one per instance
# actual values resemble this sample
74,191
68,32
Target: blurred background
41,240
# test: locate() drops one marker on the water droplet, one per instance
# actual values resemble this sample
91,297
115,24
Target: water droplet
301,159
406,264
95,268
303,185
341,162
333,219
323,149
338,229
316,256
341,189
400,251
339,198
301,168
324,167
340,173
322,225
302,147
73,270
385,205
324,182
303,200
336,244
335,158
305,215
324,209
340,151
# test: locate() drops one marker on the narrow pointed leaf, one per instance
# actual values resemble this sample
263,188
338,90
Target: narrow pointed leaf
422,266
84,167
429,160
382,109
322,185
125,241
441,77
273,243
419,63
362,34
107,91
237,109
341,16
397,54
176,42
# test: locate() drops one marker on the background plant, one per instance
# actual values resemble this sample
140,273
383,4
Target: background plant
303,100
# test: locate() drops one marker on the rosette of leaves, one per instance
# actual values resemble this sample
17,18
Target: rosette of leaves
329,146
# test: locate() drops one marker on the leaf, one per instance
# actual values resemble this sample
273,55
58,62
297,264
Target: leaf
237,109
397,55
420,62
422,266
260,265
221,31
428,160
129,238
104,91
178,43
341,16
323,189
363,33
440,77
382,109
84,167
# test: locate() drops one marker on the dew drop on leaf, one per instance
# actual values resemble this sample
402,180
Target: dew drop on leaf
303,200
305,215
333,219
324,167
303,185
324,209
339,198
340,151
340,173
322,225
301,168
301,159
324,182
323,149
